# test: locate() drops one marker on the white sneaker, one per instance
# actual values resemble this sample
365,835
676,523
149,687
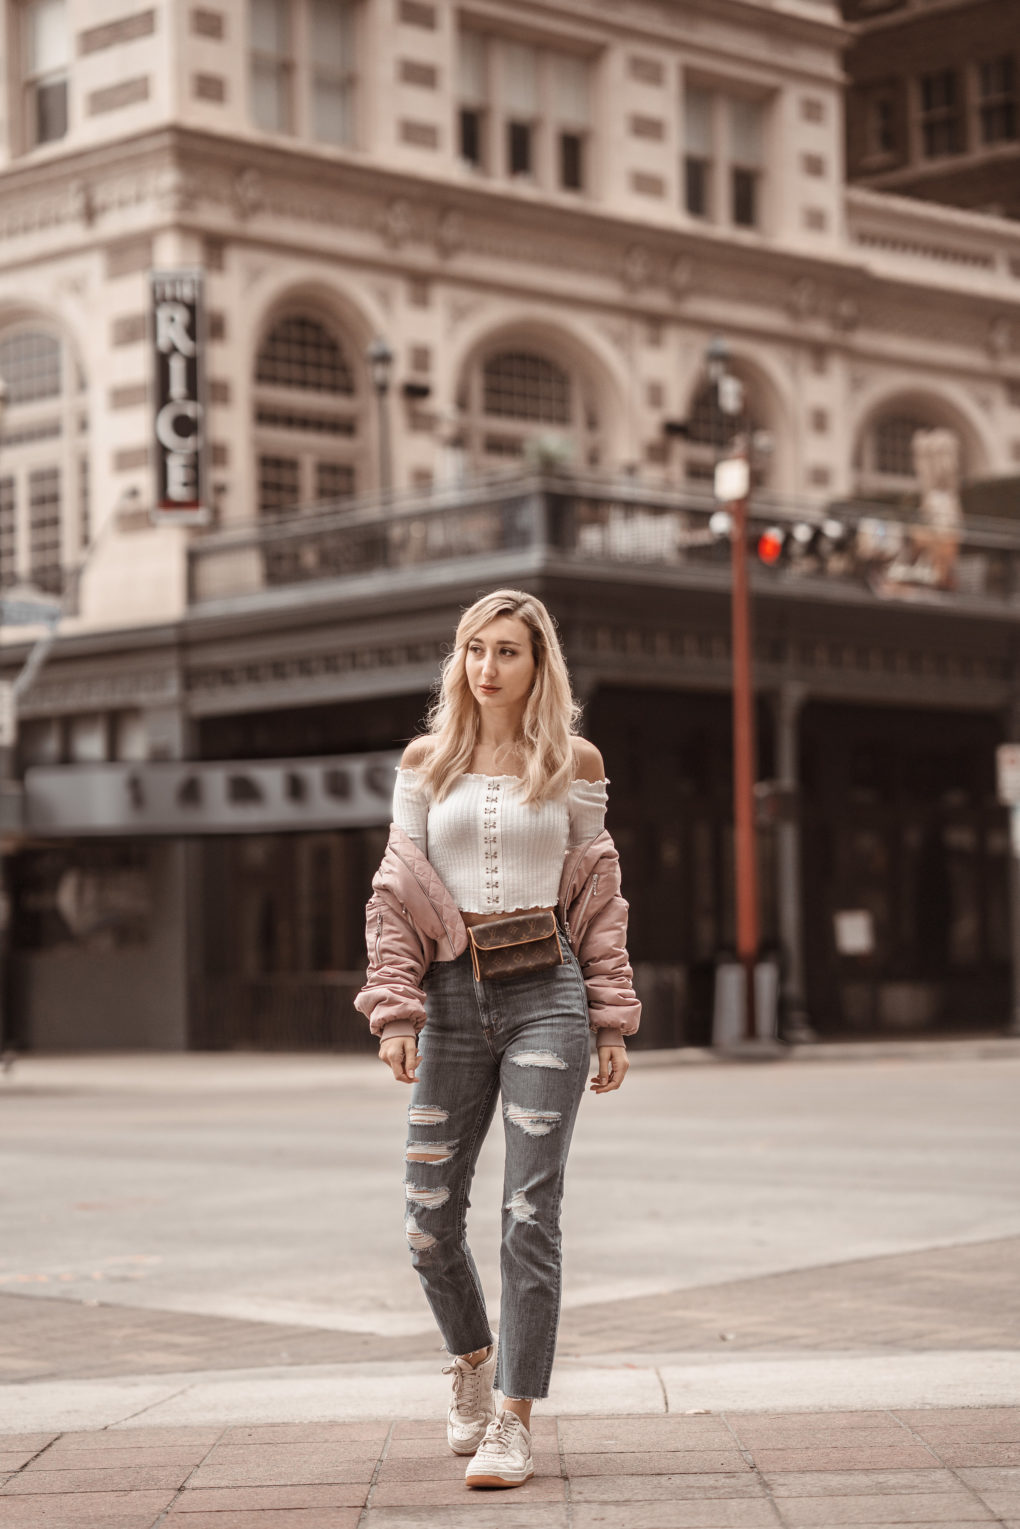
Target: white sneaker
473,1408
504,1456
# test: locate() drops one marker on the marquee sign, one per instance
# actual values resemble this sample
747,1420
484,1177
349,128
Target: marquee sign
216,797
178,348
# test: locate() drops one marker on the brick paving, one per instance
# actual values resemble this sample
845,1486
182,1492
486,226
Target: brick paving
909,1301
924,1468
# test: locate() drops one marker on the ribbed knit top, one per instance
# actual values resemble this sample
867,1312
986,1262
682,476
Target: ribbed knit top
495,852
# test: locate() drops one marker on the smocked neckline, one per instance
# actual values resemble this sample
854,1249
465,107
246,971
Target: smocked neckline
578,780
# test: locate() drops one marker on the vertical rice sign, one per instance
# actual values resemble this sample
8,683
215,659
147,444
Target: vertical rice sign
179,397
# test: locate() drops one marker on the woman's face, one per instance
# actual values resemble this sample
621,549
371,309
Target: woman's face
500,665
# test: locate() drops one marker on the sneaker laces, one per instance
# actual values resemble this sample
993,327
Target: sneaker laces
502,1432
467,1383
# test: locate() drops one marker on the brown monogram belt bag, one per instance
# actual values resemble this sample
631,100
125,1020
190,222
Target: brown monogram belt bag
514,947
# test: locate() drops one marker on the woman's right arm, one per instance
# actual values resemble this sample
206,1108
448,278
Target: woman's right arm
411,796
410,812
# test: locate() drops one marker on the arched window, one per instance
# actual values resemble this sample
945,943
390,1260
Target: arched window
515,395
309,417
711,431
44,481
885,455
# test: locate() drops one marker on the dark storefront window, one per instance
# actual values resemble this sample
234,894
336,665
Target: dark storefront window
903,836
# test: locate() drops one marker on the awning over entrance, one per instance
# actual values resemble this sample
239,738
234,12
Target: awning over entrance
225,797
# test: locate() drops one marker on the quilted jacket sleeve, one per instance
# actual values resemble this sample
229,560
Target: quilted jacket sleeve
392,998
613,1005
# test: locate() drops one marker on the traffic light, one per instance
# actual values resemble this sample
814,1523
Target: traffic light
806,546
771,546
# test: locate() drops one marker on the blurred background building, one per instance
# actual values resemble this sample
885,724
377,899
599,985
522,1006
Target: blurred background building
458,269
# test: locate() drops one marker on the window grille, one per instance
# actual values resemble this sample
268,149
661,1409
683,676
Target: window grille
45,430
521,385
300,352
30,364
893,450
41,454
279,484
8,541
311,424
334,480
707,424
84,504
44,528
504,446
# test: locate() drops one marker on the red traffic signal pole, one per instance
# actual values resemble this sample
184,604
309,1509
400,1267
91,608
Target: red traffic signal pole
743,765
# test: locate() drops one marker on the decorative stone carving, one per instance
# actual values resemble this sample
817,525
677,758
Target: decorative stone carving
451,231
396,223
681,275
846,315
803,299
248,192
83,206
460,309
637,268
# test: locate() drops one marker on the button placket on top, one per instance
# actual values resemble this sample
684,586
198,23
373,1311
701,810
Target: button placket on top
491,825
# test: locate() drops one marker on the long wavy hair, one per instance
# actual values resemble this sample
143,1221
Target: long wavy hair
551,715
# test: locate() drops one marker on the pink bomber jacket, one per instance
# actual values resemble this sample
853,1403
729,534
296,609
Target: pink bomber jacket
412,920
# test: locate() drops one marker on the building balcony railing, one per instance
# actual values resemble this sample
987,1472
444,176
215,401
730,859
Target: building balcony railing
843,551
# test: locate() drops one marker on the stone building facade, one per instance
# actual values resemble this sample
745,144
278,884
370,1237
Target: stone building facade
933,108
547,212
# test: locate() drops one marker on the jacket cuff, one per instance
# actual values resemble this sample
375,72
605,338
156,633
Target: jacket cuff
609,1035
395,1027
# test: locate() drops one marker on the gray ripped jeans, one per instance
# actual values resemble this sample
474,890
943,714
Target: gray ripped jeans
524,1042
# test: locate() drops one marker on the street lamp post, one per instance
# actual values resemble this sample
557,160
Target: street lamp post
733,478
380,360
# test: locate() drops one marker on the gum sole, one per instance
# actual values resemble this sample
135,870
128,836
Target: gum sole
496,1481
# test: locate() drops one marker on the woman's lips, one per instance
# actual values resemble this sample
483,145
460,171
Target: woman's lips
489,689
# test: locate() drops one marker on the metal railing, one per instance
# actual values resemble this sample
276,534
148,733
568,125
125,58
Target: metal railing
595,521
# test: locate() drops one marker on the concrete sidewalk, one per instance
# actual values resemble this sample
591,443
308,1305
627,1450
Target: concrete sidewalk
730,1470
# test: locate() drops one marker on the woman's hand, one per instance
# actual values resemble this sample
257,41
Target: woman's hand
401,1056
613,1066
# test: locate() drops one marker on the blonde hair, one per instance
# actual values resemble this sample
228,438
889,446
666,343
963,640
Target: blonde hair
550,717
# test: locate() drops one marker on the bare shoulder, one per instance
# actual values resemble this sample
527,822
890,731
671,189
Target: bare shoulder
587,761
417,753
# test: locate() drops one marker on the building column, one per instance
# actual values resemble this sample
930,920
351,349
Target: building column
788,703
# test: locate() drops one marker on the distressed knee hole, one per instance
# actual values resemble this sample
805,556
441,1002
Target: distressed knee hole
520,1207
427,1115
539,1059
532,1122
419,1241
428,1199
430,1151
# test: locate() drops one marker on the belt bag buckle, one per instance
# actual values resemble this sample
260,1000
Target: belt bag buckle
515,946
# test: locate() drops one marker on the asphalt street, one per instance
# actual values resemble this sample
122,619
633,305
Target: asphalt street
269,1187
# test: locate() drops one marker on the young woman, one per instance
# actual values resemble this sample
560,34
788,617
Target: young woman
498,810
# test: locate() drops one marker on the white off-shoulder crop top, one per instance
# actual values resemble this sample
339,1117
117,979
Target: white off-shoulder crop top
494,852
